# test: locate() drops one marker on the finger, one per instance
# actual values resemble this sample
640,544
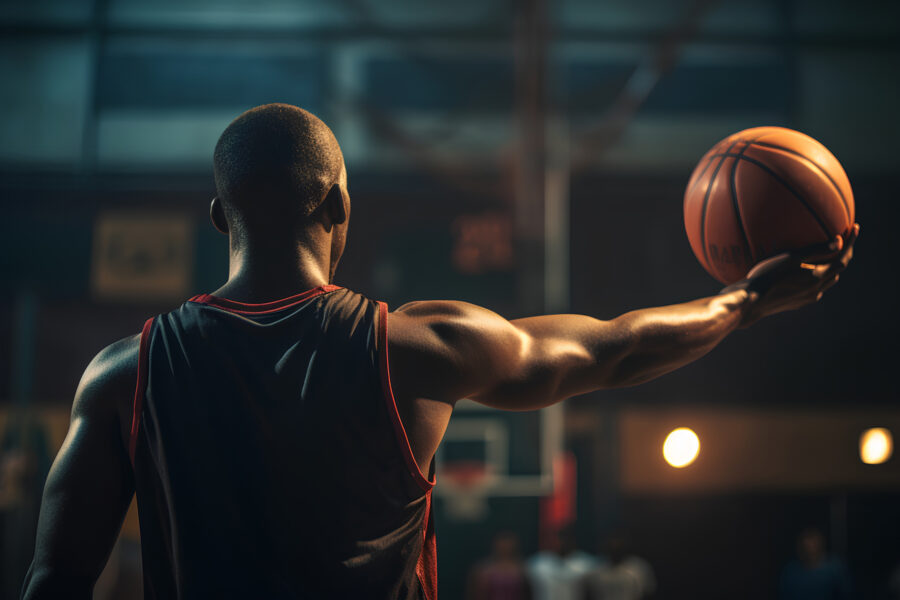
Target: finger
854,233
836,266
819,253
816,270
836,263
847,253
846,257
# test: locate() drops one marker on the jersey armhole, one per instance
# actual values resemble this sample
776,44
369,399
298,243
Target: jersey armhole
391,402
140,387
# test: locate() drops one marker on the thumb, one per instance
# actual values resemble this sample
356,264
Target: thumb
771,263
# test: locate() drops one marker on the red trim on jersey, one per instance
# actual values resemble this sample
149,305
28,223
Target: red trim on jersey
426,567
391,402
140,387
262,307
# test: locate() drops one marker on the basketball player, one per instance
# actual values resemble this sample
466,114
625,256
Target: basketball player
279,432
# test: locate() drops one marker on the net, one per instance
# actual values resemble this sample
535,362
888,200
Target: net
463,486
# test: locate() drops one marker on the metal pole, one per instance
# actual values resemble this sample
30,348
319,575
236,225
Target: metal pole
531,101
23,349
90,136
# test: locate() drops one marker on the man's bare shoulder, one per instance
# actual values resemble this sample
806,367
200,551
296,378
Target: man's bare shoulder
443,308
108,381
448,325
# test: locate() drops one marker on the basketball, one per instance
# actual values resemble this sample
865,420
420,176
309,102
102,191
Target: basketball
760,192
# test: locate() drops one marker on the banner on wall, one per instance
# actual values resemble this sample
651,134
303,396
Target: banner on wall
142,256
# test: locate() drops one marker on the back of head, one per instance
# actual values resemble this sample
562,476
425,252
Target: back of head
274,164
811,546
616,549
566,540
506,545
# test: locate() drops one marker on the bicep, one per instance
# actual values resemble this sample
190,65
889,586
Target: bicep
86,495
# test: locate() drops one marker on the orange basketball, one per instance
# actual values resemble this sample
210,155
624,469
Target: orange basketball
760,192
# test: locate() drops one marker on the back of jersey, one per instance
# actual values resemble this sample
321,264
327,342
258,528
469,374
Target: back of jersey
269,457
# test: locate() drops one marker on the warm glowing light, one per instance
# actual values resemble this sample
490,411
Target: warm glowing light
681,447
875,446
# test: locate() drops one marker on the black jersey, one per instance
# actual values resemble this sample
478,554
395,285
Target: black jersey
270,460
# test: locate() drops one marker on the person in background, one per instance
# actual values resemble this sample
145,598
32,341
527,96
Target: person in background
557,574
814,575
624,577
894,583
502,576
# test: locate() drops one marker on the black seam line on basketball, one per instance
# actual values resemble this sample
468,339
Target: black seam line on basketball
737,206
787,186
702,173
710,160
813,163
712,179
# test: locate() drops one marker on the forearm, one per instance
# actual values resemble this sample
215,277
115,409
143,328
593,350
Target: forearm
568,355
660,340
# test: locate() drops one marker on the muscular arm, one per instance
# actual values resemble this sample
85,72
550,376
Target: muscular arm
90,484
443,351
450,350
454,350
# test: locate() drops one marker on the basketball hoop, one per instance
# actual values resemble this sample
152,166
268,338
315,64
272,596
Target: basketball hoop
463,488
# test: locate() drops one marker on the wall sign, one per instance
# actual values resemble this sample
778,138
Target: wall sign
142,256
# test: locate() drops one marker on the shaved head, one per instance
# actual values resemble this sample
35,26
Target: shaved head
274,164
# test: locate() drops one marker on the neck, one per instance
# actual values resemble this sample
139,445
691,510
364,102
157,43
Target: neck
266,270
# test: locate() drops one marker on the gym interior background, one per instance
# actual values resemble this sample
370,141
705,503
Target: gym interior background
526,155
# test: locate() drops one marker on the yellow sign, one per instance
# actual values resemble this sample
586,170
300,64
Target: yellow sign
142,256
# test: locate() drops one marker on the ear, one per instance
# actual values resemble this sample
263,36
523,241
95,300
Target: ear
217,216
334,205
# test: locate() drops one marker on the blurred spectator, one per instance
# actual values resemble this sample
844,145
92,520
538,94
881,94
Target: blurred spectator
623,577
557,574
894,583
814,576
502,576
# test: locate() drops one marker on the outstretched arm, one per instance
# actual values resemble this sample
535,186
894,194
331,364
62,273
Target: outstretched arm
90,484
445,351
456,350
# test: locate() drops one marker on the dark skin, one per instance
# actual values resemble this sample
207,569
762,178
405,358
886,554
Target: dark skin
440,352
